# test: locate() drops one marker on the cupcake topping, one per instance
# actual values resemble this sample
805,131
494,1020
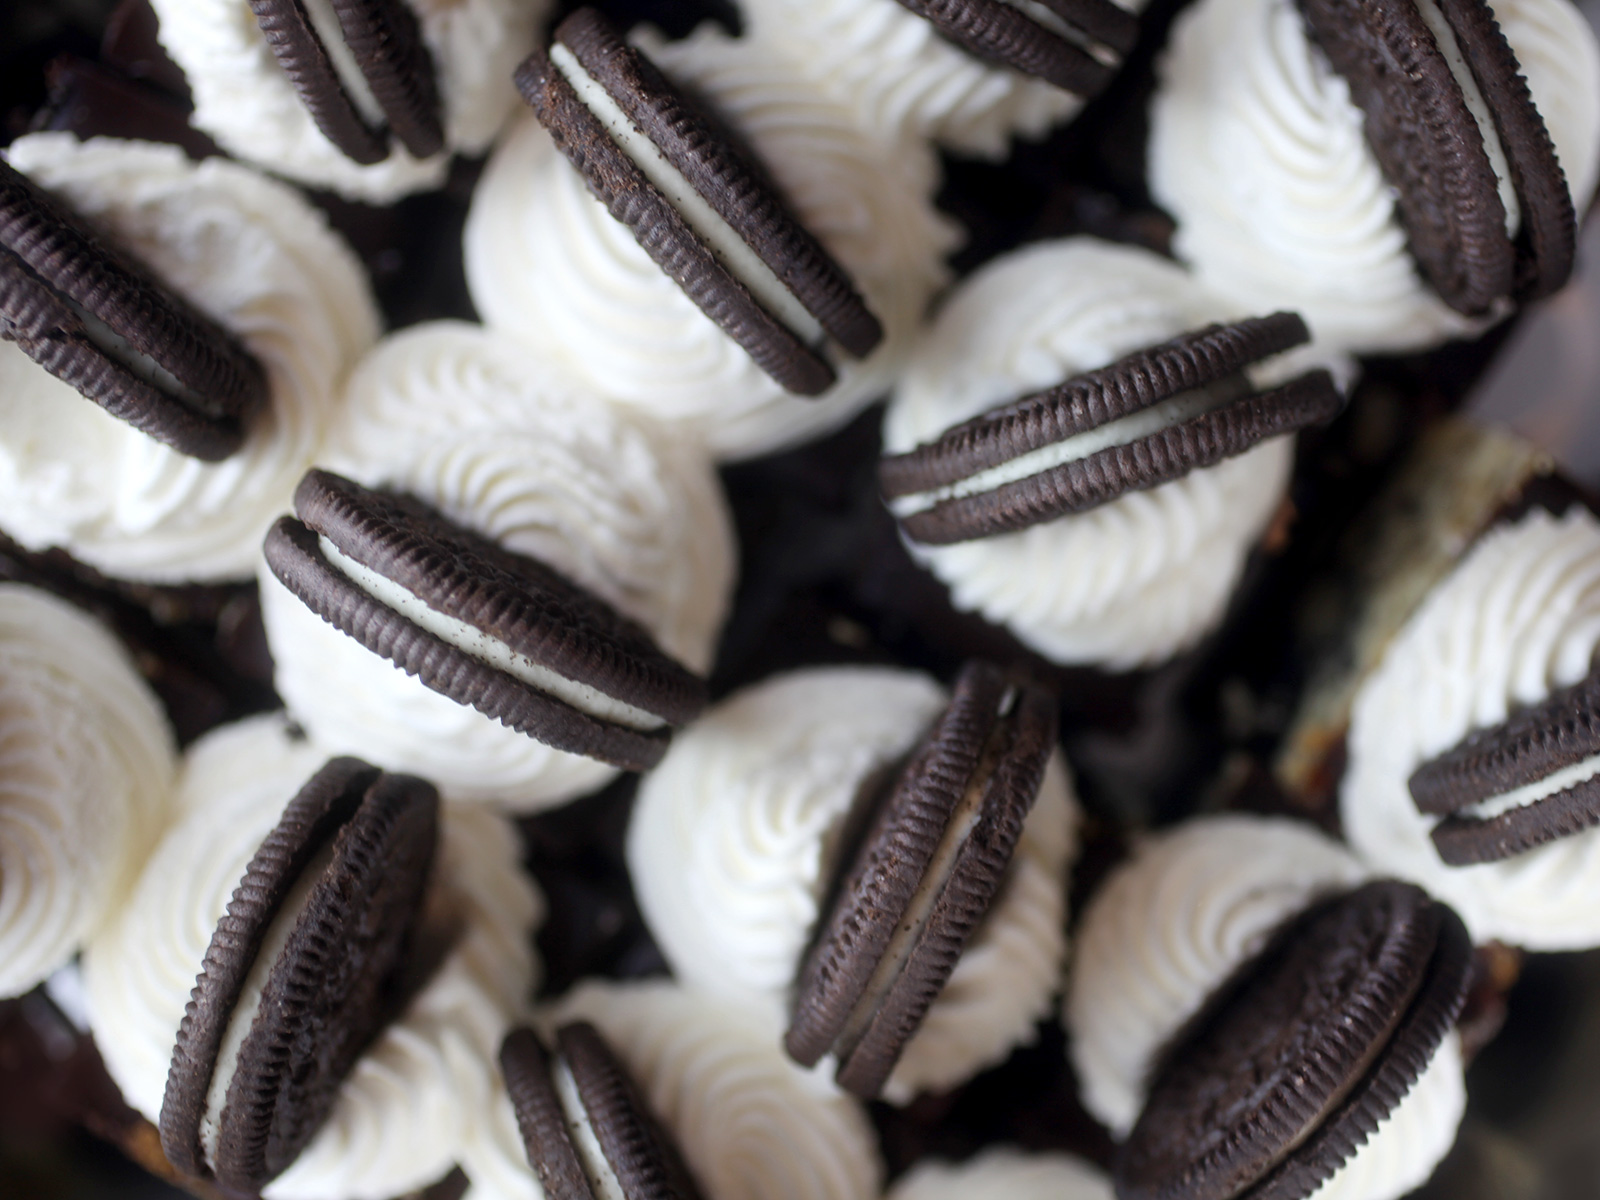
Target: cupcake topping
97,321
697,203
362,71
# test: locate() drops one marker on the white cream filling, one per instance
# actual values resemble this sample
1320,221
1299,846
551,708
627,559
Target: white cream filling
1044,15
1477,106
963,819
723,240
331,34
117,348
1539,789
486,649
596,1166
1124,430
249,1002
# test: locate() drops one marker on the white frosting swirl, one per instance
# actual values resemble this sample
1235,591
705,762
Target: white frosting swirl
474,425
1518,618
403,1112
245,250
1004,1173
244,100
750,1124
546,262
1175,922
733,842
1152,570
904,78
1258,151
86,773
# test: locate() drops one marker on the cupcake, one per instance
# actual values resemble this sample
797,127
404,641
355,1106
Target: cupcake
738,839
1004,1172
368,100
250,254
87,785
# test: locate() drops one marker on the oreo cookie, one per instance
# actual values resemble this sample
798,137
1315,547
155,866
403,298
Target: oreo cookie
305,968
1075,44
1145,420
935,854
588,1133
1285,1074
697,203
96,320
362,71
490,629
1418,72
1510,788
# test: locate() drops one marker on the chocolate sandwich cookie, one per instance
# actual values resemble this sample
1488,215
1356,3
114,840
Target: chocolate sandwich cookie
1145,420
1288,1071
697,203
934,856
587,1130
362,71
1532,779
1074,44
490,629
1419,71
100,322
306,966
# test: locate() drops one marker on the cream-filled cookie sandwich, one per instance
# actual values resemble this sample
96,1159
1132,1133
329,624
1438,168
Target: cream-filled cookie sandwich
515,585
288,882
1082,455
1252,1014
367,97
256,263
1394,197
823,845
86,784
757,287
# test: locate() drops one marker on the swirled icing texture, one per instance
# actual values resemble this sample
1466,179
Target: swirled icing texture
1518,618
1174,923
244,100
733,843
750,1124
1138,579
904,78
473,424
546,262
1258,151
403,1112
256,256
86,772
1004,1173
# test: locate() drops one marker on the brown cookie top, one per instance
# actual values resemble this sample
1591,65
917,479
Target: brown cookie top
1432,150
1006,34
330,990
1295,1061
386,43
515,602
721,174
949,470
97,320
934,857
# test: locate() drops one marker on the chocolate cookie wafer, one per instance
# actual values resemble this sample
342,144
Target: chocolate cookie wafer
304,969
587,1130
1144,420
362,71
1532,779
493,630
696,203
1074,44
100,322
1286,1073
931,863
1422,73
